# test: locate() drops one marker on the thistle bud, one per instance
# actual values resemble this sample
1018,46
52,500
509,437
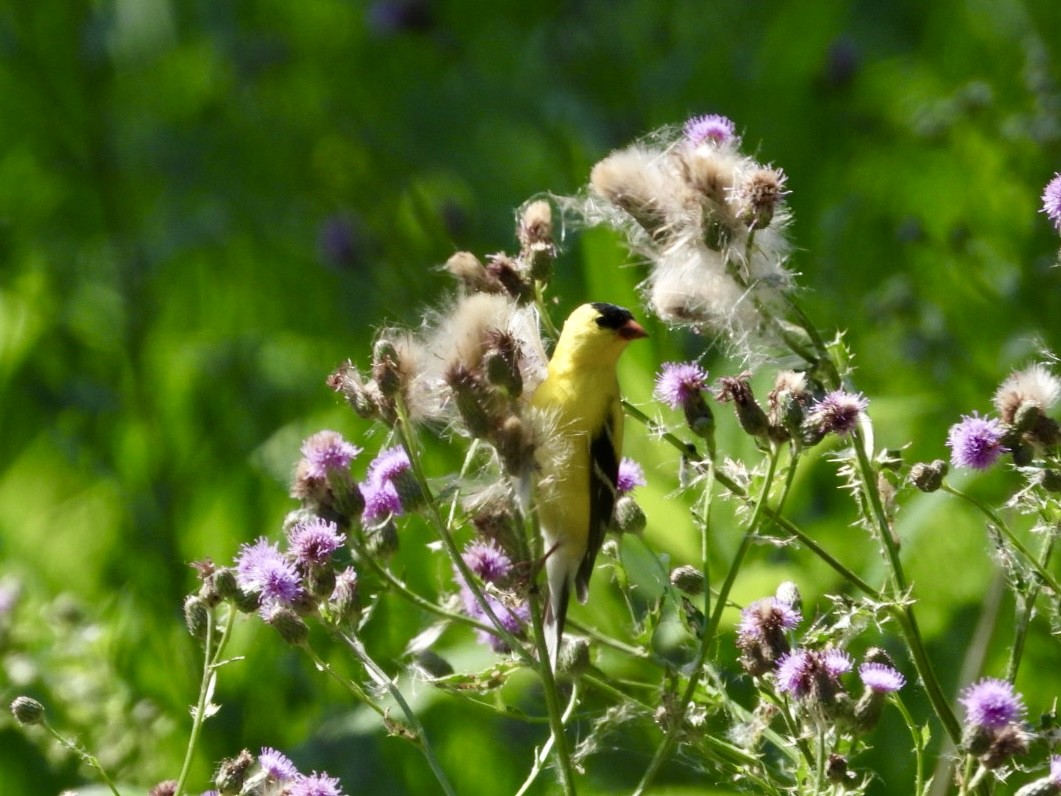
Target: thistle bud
1009,742
196,617
751,416
386,371
837,770
629,517
382,540
928,477
27,711
223,583
787,402
688,579
364,399
232,772
573,656
288,624
165,788
345,603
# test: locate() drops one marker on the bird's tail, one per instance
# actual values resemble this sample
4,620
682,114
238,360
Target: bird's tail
559,576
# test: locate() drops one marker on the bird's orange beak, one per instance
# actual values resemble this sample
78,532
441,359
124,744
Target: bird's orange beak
632,330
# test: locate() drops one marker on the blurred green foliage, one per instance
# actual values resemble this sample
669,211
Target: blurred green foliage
204,207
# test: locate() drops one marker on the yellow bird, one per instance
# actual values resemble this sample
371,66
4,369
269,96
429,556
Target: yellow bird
577,486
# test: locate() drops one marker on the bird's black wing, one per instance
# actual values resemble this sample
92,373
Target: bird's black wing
603,477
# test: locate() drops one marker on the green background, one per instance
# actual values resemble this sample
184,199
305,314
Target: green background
205,207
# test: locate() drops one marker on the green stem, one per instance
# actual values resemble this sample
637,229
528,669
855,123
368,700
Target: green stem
211,658
86,757
382,679
412,451
552,703
903,613
1025,616
408,594
1008,532
543,754
350,685
919,745
775,517
673,734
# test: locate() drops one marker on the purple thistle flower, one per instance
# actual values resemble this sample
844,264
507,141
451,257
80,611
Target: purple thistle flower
710,127
881,678
631,476
513,619
836,662
380,500
837,412
313,542
261,568
388,465
1055,770
277,766
326,451
677,382
975,442
279,583
315,785
795,672
767,616
1052,201
487,560
992,703
251,559
380,493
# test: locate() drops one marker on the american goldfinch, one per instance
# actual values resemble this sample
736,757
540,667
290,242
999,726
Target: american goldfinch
576,485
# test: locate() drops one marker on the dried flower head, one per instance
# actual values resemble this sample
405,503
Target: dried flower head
709,220
1034,386
837,413
975,441
1052,201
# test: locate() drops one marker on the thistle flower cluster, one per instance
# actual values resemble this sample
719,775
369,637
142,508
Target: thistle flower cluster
473,362
798,408
811,675
1023,428
709,219
271,774
493,567
994,728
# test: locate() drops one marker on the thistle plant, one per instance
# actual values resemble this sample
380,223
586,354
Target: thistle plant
776,695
